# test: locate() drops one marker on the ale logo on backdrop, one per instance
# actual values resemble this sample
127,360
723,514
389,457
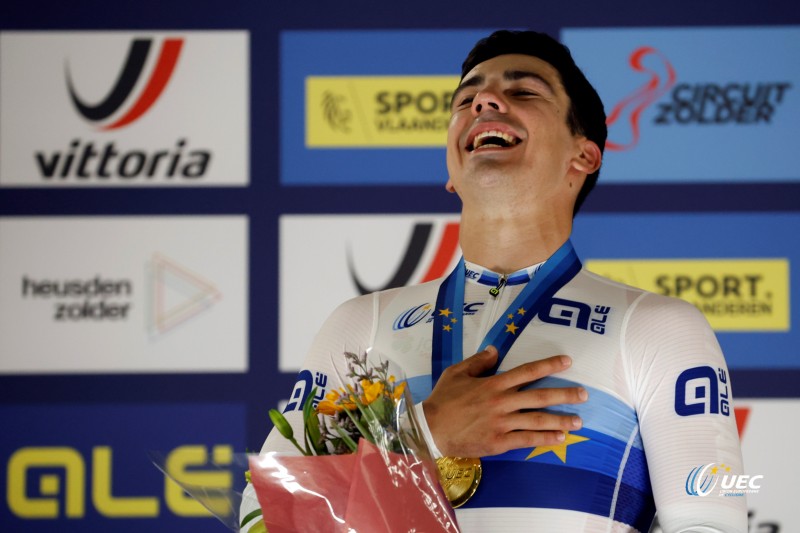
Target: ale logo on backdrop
89,468
117,108
677,98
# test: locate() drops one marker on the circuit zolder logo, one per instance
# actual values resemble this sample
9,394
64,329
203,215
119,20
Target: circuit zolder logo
732,102
129,76
632,105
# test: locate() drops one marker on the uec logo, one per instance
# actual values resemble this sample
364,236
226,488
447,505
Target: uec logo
703,479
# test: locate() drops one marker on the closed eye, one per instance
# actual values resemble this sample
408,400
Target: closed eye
466,101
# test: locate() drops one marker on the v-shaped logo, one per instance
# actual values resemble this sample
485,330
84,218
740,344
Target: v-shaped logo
128,78
177,295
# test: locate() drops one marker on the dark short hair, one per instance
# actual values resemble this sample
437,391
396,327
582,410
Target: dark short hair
586,115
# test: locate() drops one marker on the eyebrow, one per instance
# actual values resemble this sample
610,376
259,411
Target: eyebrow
508,75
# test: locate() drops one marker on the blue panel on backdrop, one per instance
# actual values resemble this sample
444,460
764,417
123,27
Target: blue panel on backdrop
86,469
759,241
695,104
353,54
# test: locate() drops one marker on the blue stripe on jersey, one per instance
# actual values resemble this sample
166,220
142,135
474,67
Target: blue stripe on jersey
593,465
601,454
603,412
540,485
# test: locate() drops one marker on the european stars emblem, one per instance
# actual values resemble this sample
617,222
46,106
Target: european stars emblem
445,312
511,328
447,327
521,311
559,449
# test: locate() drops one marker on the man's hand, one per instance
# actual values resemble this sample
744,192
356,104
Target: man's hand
472,416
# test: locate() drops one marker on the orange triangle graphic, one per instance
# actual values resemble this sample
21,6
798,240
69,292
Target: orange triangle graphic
177,294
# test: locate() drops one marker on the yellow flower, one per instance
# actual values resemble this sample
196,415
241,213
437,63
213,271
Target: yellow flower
398,390
327,407
371,390
349,403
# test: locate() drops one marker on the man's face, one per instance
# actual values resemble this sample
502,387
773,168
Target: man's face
508,131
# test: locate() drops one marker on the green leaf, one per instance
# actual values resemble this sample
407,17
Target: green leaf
281,424
250,516
349,442
361,429
378,408
311,424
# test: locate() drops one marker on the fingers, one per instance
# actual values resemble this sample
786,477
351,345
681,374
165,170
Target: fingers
529,439
481,362
529,372
538,398
542,421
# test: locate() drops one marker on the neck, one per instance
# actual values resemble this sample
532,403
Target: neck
506,243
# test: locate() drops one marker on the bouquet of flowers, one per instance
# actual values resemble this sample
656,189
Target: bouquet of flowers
364,465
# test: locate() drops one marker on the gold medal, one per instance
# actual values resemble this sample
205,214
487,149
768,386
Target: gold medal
459,477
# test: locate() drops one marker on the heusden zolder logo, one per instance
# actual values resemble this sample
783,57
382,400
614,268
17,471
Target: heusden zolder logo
718,102
134,94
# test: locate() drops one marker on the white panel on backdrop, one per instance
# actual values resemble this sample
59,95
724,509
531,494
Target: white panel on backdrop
123,294
324,259
769,434
144,108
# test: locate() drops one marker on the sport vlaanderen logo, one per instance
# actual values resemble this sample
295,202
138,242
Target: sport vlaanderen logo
91,160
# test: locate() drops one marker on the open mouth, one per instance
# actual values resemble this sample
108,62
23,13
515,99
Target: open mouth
492,139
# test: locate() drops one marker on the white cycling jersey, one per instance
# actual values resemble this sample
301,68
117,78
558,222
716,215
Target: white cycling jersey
659,408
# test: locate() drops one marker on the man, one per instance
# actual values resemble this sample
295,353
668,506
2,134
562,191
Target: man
588,402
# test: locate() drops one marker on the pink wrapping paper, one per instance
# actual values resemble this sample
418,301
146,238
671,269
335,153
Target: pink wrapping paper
363,492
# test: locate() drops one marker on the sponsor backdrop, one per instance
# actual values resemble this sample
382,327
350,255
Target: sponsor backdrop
187,190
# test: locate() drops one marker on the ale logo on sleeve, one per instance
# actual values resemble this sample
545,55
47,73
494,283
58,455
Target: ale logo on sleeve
91,109
734,294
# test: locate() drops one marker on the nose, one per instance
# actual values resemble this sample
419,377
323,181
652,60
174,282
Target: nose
487,100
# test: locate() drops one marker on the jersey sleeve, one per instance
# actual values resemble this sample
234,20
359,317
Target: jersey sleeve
683,396
350,328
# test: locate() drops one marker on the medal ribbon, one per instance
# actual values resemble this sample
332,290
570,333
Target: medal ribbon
448,332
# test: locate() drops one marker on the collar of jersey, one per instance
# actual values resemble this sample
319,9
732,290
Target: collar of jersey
475,273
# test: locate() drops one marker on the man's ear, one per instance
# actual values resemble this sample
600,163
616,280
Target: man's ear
589,158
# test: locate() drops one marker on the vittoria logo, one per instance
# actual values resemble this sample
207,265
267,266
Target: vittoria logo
128,78
124,108
86,160
420,239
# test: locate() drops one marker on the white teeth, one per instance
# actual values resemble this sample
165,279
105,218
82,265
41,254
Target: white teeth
478,141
